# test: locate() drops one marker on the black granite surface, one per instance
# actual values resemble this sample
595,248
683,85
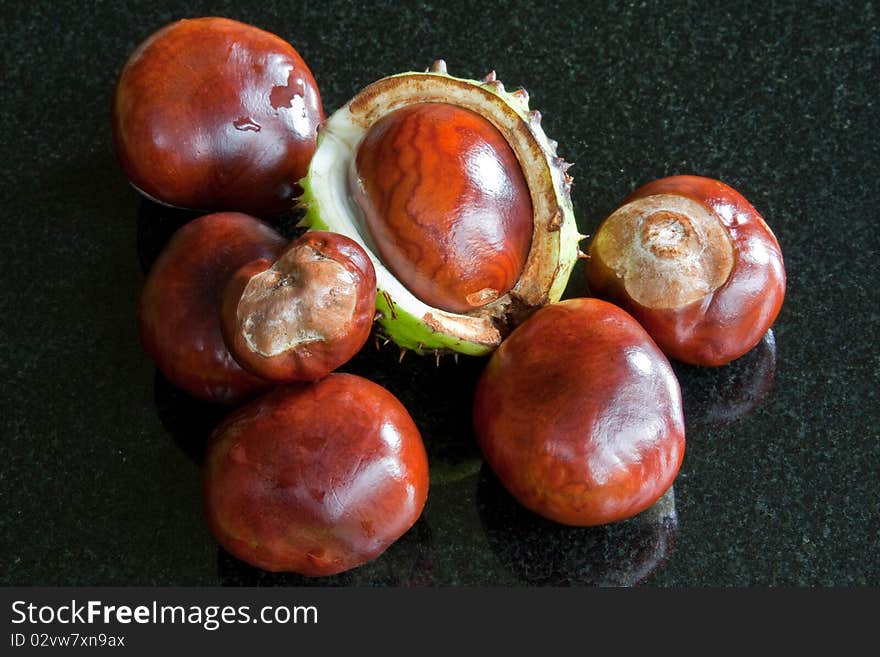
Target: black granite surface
99,457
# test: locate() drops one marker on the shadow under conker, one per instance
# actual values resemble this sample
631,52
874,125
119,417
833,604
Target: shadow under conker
189,421
156,224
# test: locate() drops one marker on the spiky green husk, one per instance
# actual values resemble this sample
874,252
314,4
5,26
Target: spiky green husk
406,320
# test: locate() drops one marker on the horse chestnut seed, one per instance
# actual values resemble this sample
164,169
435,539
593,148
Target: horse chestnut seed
304,315
213,114
445,203
179,311
315,479
695,263
579,414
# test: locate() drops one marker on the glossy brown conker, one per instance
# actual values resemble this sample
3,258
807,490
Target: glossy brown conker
315,479
303,315
445,203
179,309
695,263
579,414
214,114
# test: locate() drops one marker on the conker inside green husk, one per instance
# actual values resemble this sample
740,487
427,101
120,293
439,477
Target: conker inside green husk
460,199
445,203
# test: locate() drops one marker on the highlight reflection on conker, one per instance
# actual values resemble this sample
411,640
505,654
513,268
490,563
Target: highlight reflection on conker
445,203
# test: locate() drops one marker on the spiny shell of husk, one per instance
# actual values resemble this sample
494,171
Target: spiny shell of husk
400,317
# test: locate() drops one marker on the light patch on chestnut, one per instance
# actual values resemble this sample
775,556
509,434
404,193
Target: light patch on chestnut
482,297
304,297
668,250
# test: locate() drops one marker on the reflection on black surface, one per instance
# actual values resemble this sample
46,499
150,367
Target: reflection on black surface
189,421
157,223
544,553
408,562
716,396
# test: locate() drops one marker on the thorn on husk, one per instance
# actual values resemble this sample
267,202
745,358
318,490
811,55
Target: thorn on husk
490,77
496,85
535,117
402,354
562,164
379,315
522,96
437,358
439,66
455,357
390,303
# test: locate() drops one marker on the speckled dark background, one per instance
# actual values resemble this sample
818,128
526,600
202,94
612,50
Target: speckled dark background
99,474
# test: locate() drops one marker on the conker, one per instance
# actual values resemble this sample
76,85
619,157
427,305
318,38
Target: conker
179,310
579,414
695,263
304,315
445,203
315,479
213,114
